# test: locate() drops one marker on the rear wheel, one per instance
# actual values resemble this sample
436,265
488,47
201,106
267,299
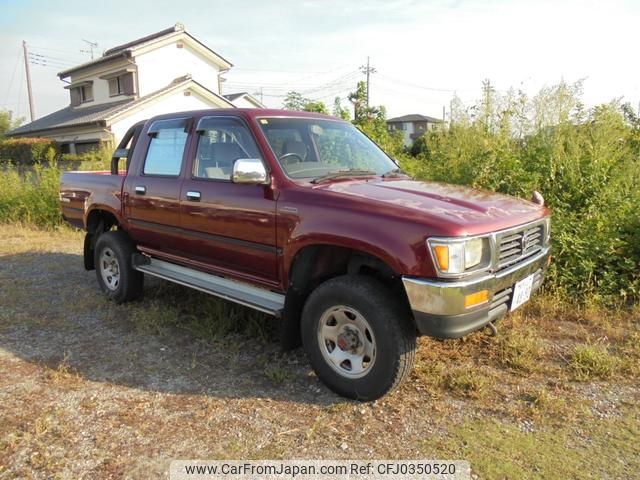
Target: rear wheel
358,337
116,276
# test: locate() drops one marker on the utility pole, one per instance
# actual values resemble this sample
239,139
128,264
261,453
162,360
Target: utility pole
368,70
32,109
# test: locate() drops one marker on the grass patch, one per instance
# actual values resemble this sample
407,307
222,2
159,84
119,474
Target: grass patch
519,349
588,362
500,450
167,306
466,382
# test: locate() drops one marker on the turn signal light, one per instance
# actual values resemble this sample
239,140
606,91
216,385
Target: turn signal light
442,255
477,298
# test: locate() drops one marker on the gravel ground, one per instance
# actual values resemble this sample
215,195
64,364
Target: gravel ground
89,389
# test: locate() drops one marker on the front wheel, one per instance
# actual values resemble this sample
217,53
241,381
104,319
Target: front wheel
116,276
358,337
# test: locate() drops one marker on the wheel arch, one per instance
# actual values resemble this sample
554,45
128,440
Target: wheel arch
315,263
98,220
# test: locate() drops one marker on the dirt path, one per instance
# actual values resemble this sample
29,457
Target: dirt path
89,389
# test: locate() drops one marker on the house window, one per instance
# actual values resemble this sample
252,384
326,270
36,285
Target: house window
166,149
115,87
121,85
85,93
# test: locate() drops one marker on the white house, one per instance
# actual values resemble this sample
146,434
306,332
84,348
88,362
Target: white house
413,126
164,72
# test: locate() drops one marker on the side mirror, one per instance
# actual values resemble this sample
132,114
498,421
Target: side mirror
249,171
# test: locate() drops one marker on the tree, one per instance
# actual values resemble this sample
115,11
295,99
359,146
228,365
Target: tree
361,111
315,106
339,111
7,122
294,101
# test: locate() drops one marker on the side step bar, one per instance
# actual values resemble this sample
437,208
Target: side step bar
254,297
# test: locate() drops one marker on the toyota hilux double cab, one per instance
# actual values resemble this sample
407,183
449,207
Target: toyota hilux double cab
303,217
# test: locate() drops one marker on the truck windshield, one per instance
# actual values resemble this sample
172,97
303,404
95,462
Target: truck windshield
315,148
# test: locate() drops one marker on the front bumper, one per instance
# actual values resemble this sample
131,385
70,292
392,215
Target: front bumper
439,306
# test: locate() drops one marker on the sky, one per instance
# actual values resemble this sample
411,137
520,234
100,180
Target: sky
424,52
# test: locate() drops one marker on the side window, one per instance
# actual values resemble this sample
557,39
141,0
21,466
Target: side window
166,149
222,141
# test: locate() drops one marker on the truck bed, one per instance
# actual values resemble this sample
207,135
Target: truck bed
79,190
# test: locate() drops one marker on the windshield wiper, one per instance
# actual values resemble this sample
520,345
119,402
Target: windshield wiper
396,172
352,172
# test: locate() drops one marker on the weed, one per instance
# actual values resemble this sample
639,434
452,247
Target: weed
519,349
588,362
276,373
465,382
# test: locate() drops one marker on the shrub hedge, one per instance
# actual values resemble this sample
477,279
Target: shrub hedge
586,163
27,151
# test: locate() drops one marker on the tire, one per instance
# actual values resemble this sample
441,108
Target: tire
116,277
359,338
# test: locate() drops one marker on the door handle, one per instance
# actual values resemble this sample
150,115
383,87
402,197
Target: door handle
193,196
141,190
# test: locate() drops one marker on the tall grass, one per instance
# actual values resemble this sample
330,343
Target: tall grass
30,196
29,193
586,163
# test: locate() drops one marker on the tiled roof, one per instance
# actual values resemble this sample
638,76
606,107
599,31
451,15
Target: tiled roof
96,114
178,27
414,117
124,50
70,117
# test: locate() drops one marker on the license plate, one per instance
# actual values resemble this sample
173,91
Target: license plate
521,292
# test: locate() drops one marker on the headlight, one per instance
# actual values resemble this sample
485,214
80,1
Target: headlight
457,256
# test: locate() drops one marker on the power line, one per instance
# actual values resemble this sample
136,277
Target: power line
15,68
48,57
287,85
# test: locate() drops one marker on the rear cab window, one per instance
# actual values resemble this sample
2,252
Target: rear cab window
166,148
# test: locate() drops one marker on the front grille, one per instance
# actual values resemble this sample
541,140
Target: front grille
518,244
503,297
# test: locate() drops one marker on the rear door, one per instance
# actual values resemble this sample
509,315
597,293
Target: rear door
152,192
228,226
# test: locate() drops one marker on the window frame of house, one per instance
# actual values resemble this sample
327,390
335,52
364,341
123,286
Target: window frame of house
119,90
82,92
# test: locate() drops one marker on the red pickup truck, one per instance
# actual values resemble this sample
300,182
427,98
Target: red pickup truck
301,216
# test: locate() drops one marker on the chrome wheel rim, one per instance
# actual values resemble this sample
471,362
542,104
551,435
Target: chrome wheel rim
346,341
109,269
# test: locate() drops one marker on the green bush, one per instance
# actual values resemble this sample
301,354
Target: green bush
31,196
585,163
93,160
27,151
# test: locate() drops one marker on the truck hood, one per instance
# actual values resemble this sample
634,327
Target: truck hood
456,209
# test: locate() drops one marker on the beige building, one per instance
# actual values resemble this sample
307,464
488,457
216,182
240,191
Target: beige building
167,71
413,126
